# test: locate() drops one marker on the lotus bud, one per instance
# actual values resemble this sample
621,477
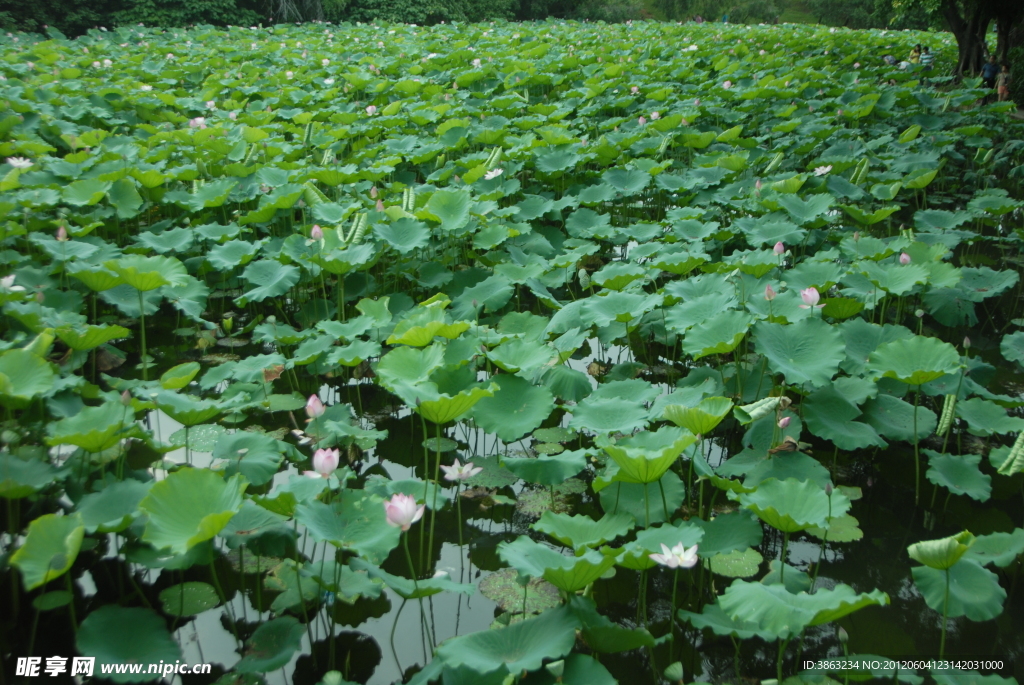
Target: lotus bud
769,293
919,313
126,399
828,489
62,234
674,672
779,248
784,422
967,343
373,192
380,205
642,121
314,407
316,233
904,258
856,236
757,185
844,636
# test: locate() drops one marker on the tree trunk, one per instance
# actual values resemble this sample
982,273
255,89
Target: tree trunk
970,35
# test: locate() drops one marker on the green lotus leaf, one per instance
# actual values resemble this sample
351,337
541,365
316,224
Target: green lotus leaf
232,254
148,273
603,635
618,275
987,418
720,334
271,645
894,419
440,408
872,218
720,623
959,474
828,414
914,360
646,456
525,358
423,325
405,235
179,376
126,635
775,610
943,553
407,588
185,409
49,550
895,279
251,522
974,591
805,211
635,555
189,599
516,408
451,208
624,307
550,469
89,337
94,429
257,457
358,522
703,418
96,278
862,338
644,500
271,278
569,574
409,365
793,505
808,351
85,192
1001,549
189,507
839,529
726,533
523,646
750,413
21,477
581,532
608,416
113,508
23,375
736,564
567,384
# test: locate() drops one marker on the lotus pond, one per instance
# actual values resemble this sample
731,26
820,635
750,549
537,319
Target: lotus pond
508,353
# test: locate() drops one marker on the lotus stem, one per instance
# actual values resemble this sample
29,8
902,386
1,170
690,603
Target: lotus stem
735,655
785,546
945,612
433,504
142,336
664,502
672,615
74,618
917,455
394,652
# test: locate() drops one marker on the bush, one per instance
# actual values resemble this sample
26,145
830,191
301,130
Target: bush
1016,61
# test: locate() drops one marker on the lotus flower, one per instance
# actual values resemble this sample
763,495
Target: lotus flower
696,103
210,104
779,248
371,109
784,422
655,115
289,75
145,87
493,173
642,121
402,511
325,462
757,185
677,557
62,234
810,298
904,258
198,122
727,85
316,233
460,471
822,170
19,162
7,285
314,407
769,293
96,65
634,90
476,62
325,62
233,116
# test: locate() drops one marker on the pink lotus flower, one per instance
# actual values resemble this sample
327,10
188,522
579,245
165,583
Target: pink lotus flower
380,205
696,103
95,65
727,85
108,63
784,422
904,258
655,115
634,90
62,234
371,109
314,407
373,192
677,557
810,298
198,122
642,121
402,511
325,62
233,116
856,65
779,248
460,471
210,104
325,462
476,62
769,293
316,233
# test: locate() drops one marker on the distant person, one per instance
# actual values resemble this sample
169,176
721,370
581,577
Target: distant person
915,55
927,58
989,72
890,60
1003,83
725,18
699,19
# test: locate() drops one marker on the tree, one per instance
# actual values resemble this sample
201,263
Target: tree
969,20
